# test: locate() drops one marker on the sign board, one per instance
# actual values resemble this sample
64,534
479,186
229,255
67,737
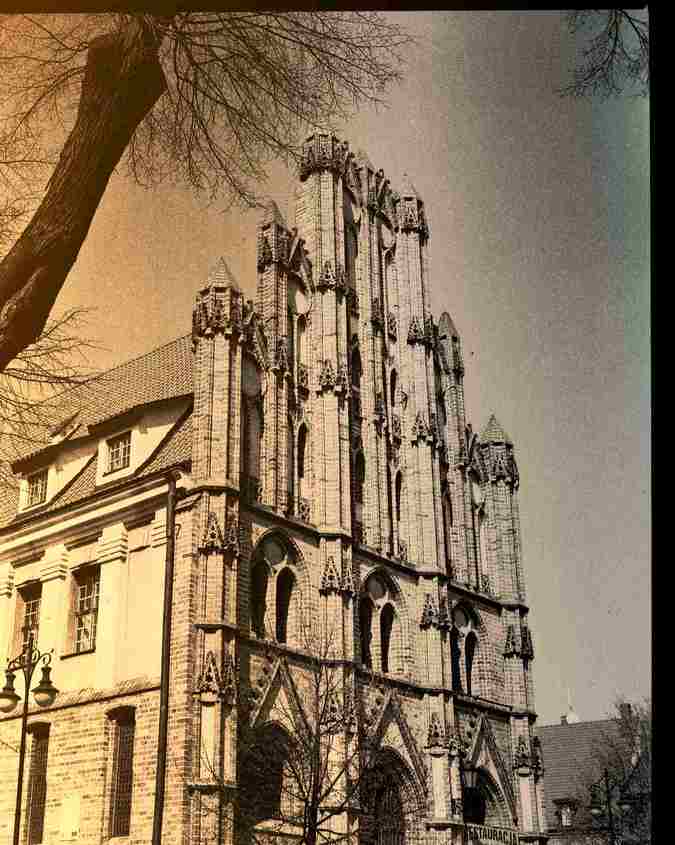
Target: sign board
482,835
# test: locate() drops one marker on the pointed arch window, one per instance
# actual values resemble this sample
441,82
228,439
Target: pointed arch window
463,650
381,644
469,653
393,384
285,590
387,618
360,477
455,660
356,373
302,448
259,585
398,492
366,626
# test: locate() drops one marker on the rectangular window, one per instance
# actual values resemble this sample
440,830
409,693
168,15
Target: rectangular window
119,451
27,616
87,584
37,488
37,784
123,768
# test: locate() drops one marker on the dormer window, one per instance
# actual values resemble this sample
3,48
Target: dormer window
119,451
37,488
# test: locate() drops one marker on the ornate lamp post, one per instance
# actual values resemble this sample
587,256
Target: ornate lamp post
44,694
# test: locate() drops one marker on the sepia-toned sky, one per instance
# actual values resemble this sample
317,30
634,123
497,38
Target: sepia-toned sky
539,214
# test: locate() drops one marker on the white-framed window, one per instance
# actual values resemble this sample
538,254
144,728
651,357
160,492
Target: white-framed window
86,589
37,488
119,451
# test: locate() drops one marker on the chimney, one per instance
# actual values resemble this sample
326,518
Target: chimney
563,719
625,710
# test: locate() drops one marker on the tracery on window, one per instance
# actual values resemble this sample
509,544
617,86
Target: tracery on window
381,644
275,596
464,645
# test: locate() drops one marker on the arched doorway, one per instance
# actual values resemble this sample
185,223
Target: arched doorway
485,804
390,803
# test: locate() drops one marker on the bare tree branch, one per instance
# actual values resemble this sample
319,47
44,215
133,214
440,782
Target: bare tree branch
207,98
616,56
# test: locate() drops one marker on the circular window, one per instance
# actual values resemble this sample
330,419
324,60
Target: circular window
375,588
274,552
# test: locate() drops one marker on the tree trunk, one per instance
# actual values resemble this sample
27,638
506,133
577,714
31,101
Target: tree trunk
122,81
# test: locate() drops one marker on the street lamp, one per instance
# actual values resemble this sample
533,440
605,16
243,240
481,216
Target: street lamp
44,694
602,805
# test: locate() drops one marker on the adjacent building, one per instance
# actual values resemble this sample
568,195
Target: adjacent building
299,469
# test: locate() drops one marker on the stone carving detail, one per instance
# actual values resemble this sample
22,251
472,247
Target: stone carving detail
396,427
436,736
420,429
326,376
265,256
213,685
353,301
380,413
392,325
330,579
303,377
537,758
486,586
416,331
527,649
349,585
429,613
304,510
500,463
232,532
443,623
511,645
323,152
212,541
343,385
359,533
402,551
522,758
341,286
281,365
409,223
377,314
327,278
228,684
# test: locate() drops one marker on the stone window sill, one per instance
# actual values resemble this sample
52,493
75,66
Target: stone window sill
77,654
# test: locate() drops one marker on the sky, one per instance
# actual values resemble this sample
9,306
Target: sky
539,213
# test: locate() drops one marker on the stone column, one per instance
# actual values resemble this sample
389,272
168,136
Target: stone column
53,630
6,609
112,557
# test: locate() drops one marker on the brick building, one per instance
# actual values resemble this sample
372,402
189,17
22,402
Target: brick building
304,456
575,754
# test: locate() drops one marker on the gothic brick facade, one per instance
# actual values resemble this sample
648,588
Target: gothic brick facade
328,484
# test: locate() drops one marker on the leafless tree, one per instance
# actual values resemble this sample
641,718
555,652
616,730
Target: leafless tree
203,97
306,769
615,57
625,753
32,387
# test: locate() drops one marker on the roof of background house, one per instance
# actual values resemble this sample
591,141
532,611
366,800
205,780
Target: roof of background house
570,753
163,373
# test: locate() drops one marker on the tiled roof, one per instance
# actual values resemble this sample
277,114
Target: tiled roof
571,762
161,374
